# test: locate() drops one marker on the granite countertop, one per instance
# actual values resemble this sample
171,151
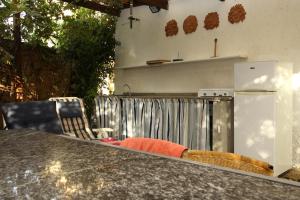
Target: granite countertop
37,165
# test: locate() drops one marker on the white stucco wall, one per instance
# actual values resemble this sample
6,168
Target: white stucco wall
271,31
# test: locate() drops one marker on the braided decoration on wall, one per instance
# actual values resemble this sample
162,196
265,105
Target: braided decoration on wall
171,28
211,21
190,24
237,14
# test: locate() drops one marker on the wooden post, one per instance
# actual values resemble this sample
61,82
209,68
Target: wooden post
17,64
215,49
17,39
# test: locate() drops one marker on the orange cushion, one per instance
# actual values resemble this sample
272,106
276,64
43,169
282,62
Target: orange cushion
154,146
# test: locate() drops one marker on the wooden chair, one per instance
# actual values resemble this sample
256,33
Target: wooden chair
73,119
229,160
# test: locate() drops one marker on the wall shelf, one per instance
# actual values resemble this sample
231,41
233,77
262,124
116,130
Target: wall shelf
186,62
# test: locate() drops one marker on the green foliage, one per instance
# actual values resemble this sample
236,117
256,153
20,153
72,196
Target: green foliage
39,24
88,39
39,19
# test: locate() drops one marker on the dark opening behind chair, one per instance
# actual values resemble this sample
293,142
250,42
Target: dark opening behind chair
37,115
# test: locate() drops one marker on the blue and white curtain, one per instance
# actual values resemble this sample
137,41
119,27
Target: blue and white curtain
180,120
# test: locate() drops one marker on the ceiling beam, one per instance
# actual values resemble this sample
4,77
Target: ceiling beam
135,4
163,4
159,3
96,6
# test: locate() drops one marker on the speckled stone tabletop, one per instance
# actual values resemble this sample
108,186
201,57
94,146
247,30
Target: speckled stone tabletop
35,165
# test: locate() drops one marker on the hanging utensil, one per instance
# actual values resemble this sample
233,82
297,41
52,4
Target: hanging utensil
131,18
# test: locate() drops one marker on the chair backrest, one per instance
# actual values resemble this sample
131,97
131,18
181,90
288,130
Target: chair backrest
229,160
73,119
37,115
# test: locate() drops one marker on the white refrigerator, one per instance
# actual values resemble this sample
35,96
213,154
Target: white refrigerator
263,112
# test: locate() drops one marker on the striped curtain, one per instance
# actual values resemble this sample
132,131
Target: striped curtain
179,120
